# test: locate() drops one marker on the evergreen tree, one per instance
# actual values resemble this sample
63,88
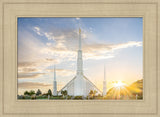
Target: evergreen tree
38,92
49,92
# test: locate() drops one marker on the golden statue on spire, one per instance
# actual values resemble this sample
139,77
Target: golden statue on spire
79,30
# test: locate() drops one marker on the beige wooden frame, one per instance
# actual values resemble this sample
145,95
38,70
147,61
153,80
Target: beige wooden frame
11,10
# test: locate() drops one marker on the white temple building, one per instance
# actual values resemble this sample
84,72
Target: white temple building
79,85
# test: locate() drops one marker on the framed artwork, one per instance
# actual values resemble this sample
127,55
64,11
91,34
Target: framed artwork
47,46
79,58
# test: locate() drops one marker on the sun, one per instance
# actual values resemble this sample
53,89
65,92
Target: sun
118,84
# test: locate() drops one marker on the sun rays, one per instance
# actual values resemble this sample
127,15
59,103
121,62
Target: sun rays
122,90
119,84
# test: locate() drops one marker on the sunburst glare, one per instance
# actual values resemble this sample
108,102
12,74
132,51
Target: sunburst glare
119,84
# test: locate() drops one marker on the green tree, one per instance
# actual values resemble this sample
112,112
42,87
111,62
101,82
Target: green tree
91,93
49,92
31,92
26,93
94,93
38,92
64,93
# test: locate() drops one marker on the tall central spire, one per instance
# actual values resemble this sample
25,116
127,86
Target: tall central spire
80,39
54,73
79,59
54,83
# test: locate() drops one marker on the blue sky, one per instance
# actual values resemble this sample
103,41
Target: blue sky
44,42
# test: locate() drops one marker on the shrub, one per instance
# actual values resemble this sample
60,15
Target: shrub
44,96
69,97
23,97
33,97
78,97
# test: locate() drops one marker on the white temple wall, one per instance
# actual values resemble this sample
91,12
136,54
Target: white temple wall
70,89
79,86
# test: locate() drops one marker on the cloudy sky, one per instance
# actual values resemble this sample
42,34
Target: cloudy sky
45,42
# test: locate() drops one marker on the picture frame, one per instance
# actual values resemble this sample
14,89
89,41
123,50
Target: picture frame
11,10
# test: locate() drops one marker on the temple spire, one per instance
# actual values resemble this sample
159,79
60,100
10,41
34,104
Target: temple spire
80,39
54,73
104,82
79,59
104,73
54,82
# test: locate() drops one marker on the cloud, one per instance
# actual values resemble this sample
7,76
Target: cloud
77,18
40,32
48,35
103,51
50,59
97,56
33,85
36,64
26,64
60,37
94,51
66,43
64,46
37,30
25,68
62,72
30,75
34,69
29,47
102,48
28,70
126,45
31,59
35,55
48,44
